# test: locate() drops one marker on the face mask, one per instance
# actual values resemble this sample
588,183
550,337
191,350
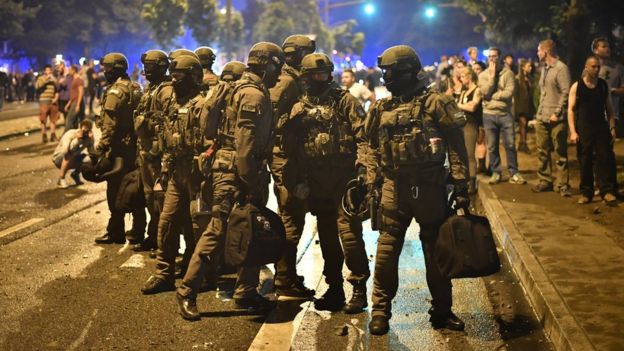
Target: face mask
270,76
399,83
184,86
111,76
156,74
315,87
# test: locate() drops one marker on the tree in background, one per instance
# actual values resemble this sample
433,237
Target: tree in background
275,23
251,15
165,19
237,39
13,15
203,19
346,40
571,23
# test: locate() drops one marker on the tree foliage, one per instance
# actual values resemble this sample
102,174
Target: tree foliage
165,19
237,39
346,40
12,16
275,23
202,18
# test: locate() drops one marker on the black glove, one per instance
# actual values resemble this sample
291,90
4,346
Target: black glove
460,197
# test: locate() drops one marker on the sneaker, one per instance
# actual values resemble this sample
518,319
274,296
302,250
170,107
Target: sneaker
53,137
44,138
610,199
542,187
565,191
583,200
62,183
75,175
517,179
495,178
523,148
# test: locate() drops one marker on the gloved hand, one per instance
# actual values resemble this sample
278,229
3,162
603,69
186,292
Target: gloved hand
460,197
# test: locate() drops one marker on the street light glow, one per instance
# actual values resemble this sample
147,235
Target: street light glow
369,9
430,12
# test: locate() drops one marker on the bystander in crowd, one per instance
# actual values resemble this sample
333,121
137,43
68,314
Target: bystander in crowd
551,128
70,152
523,102
613,73
75,106
470,102
47,88
591,119
361,92
497,85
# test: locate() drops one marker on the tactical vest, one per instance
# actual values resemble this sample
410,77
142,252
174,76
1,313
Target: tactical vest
182,133
327,132
148,121
408,136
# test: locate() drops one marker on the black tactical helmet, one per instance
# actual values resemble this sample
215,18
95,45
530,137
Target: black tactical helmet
206,56
316,62
298,42
264,52
400,58
115,60
189,65
232,71
157,57
181,52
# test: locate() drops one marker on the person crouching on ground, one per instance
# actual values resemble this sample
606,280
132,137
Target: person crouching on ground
69,152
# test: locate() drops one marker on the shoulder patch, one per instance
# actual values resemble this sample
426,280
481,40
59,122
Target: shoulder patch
249,108
114,91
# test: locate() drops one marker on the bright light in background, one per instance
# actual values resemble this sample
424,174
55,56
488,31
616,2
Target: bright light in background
430,12
82,60
369,9
223,11
486,52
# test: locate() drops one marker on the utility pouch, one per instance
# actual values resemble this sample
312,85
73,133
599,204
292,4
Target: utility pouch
225,161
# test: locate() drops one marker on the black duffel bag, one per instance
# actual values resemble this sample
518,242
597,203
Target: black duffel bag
255,236
130,195
465,247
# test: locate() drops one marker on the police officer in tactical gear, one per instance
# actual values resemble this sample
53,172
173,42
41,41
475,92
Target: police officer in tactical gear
290,195
206,58
119,140
239,174
148,118
233,71
321,138
182,140
410,136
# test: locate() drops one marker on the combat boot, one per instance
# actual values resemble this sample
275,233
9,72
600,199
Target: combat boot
358,300
187,307
110,239
155,285
379,325
296,290
447,320
257,305
333,300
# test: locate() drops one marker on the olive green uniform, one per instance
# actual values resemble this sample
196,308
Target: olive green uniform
321,136
403,141
119,140
291,209
182,140
148,123
239,166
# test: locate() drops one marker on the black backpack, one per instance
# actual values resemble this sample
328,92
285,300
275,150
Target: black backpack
465,247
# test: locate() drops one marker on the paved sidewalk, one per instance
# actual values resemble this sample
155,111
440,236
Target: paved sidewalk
569,257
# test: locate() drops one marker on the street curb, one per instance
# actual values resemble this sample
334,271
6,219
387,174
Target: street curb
563,330
30,130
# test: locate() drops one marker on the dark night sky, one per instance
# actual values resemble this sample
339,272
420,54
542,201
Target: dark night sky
403,22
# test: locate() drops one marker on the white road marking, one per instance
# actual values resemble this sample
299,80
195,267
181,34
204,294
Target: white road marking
83,335
135,261
20,226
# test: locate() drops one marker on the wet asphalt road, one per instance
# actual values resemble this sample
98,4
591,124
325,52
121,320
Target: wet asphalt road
60,291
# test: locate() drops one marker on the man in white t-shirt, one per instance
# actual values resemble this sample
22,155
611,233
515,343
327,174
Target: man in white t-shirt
356,89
